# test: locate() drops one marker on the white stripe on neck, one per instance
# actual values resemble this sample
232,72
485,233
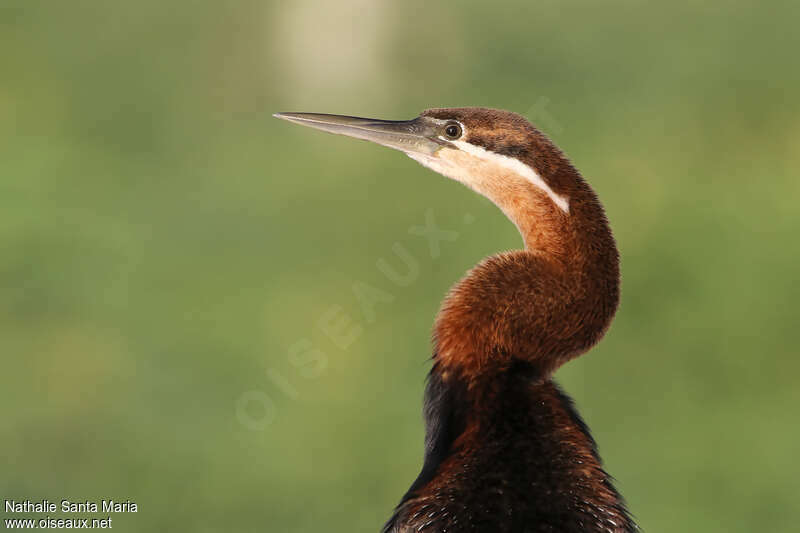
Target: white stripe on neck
516,166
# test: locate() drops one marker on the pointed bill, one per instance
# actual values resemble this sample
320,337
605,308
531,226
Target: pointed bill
417,136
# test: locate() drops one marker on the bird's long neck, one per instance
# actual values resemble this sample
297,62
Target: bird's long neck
543,305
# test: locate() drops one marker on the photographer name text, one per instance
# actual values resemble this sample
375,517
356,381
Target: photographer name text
67,506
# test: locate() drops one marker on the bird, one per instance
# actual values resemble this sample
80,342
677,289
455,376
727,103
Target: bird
505,448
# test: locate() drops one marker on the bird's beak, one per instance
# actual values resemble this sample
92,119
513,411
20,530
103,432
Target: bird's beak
414,137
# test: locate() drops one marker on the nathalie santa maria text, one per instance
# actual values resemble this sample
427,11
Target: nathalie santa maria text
66,506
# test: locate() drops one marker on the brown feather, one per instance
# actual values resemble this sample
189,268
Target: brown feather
506,449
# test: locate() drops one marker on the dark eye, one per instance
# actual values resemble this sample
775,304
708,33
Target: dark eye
453,131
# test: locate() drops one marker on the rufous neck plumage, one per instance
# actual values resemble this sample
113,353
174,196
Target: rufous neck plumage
545,304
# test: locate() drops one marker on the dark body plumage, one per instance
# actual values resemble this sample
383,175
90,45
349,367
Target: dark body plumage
524,462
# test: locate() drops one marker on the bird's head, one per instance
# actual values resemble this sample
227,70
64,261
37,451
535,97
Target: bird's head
497,153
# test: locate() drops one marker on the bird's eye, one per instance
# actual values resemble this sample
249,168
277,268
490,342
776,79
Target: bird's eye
453,131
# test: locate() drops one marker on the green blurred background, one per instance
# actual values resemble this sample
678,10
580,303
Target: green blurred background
168,250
